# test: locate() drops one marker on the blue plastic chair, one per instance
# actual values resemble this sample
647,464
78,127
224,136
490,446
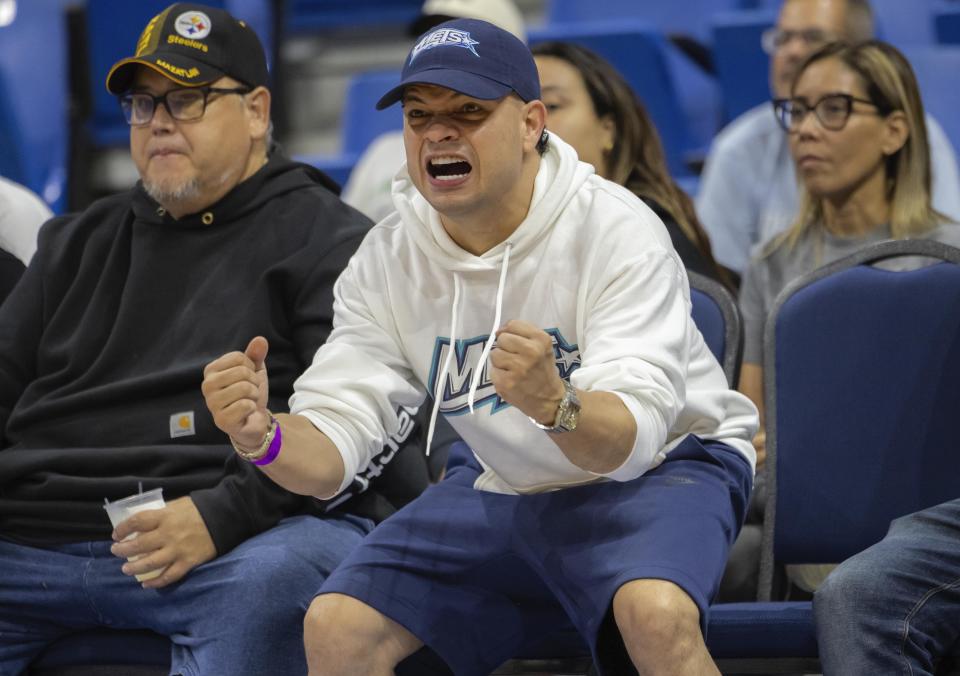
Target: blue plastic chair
362,122
689,17
862,380
33,85
946,22
904,23
742,66
304,17
716,314
638,51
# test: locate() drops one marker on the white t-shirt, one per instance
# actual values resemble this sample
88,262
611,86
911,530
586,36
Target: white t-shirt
368,188
21,215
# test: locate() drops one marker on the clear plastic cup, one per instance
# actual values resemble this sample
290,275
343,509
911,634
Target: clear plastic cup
121,510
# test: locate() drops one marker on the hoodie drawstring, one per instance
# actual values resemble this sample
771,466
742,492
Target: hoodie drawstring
478,372
442,378
481,365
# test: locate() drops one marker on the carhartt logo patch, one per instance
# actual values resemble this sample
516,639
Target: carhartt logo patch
193,25
445,37
181,425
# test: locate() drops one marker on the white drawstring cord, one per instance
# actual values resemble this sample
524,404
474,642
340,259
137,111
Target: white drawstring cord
478,373
442,378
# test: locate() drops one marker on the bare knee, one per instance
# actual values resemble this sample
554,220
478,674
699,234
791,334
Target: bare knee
657,617
345,636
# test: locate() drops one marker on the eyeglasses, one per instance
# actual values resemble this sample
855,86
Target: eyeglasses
182,104
774,38
832,110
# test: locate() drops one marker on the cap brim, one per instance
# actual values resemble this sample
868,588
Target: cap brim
171,66
470,84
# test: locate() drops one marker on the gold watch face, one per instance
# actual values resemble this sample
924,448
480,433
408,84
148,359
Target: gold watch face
569,415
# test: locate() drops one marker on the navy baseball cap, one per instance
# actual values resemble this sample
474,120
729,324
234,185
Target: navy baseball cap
472,57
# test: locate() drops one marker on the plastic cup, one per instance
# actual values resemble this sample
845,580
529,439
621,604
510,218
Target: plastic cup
121,510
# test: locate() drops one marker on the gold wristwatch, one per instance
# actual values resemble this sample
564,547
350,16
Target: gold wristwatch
568,412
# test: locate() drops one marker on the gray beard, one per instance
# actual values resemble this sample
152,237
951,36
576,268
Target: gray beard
167,193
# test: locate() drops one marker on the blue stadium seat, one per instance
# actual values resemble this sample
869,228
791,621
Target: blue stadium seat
904,23
946,22
687,17
10,164
742,65
639,52
886,351
937,68
35,92
362,122
317,16
716,314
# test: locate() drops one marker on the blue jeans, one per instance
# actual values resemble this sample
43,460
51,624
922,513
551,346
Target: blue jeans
241,613
895,607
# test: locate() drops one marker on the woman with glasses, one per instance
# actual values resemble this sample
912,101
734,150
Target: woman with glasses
855,126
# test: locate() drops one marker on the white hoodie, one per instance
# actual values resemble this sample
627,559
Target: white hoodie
590,264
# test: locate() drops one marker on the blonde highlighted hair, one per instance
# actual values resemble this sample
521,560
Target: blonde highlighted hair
892,87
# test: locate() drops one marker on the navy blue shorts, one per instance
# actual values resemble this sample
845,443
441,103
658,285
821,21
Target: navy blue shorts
483,577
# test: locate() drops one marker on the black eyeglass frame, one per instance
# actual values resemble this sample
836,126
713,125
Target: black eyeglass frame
781,107
126,102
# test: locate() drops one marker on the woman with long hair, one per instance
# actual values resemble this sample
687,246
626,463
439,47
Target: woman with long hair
857,135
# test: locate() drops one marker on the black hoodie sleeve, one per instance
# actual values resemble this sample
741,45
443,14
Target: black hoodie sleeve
244,504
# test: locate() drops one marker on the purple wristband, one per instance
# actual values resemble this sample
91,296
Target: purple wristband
273,451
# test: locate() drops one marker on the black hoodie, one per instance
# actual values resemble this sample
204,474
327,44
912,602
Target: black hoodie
103,345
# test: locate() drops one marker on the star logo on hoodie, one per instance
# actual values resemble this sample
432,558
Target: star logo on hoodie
455,392
568,356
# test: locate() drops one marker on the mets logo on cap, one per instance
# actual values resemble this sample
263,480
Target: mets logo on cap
193,25
445,37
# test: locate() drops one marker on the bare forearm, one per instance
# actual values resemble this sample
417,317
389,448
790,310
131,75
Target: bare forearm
751,384
604,436
308,463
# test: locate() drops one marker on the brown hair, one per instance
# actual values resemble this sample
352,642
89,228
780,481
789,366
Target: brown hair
637,160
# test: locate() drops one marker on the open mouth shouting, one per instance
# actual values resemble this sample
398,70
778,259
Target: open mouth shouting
448,169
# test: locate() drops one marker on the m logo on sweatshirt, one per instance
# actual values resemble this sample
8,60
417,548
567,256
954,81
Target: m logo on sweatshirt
466,357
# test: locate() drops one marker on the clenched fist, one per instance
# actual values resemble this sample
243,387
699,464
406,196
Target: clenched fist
524,370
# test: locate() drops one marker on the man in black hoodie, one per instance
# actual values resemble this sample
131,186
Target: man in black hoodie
102,349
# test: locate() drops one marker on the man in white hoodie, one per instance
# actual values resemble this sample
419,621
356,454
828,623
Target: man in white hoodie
549,317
